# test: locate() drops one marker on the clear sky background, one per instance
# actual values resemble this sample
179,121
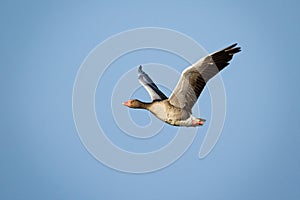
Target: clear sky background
43,43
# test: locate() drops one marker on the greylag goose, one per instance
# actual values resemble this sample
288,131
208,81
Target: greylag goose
177,109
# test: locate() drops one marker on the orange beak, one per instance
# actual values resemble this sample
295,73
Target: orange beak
125,103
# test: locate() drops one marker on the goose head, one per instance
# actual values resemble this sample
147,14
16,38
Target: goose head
134,103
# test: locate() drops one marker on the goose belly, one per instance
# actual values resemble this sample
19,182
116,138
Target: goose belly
159,110
170,115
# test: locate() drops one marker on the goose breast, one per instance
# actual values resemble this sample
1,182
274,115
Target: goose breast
168,113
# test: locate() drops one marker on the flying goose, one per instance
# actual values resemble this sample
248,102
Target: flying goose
177,109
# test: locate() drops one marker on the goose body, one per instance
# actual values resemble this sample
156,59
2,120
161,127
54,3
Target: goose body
169,113
177,109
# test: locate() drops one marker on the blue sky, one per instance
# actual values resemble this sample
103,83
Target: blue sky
43,44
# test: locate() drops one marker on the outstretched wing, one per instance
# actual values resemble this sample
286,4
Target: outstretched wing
194,78
150,86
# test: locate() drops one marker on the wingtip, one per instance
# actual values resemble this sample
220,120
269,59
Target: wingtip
140,69
233,49
231,46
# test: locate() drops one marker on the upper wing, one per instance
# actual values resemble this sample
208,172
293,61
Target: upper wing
150,86
194,78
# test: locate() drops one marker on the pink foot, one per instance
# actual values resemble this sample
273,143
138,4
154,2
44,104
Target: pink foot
197,123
